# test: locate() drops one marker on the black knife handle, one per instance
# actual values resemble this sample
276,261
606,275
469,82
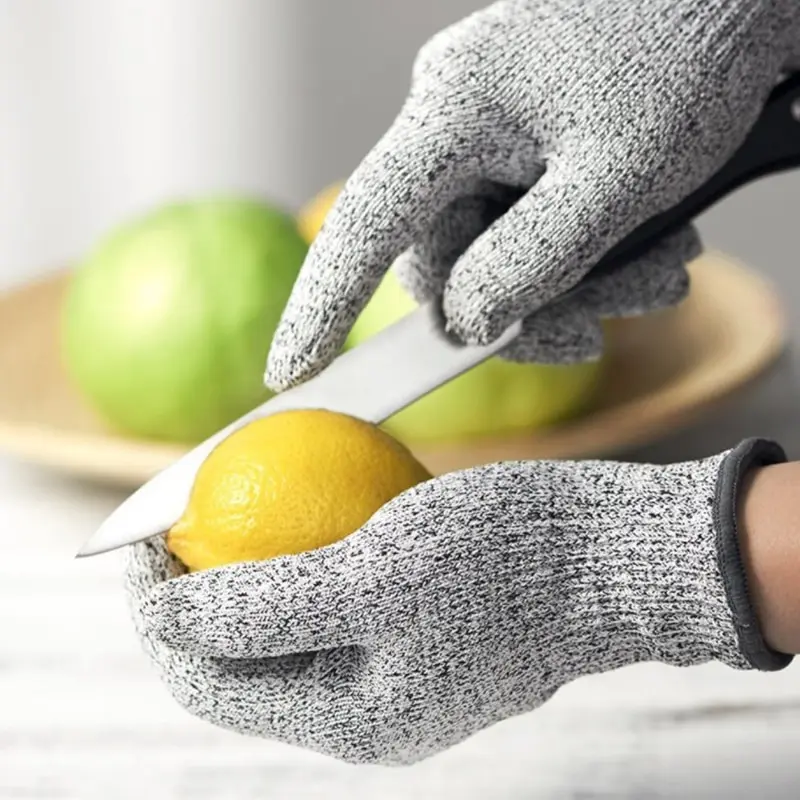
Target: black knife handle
773,145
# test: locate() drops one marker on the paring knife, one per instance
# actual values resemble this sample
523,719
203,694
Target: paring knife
415,355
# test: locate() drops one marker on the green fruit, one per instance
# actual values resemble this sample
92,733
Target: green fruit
497,397
167,324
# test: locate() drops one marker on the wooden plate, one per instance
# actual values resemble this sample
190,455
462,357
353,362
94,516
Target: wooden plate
663,370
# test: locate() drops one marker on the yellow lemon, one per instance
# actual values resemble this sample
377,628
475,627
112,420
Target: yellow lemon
291,482
311,217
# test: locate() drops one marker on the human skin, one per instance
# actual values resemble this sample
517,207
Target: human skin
770,544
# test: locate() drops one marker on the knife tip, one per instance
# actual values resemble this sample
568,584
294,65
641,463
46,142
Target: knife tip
88,549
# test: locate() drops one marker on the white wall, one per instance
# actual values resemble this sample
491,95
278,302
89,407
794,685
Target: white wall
109,106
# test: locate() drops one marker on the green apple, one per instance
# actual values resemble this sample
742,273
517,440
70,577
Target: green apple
167,324
495,398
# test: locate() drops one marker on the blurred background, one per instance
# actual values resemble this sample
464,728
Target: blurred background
107,108
111,107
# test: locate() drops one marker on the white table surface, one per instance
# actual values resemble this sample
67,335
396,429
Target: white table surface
82,715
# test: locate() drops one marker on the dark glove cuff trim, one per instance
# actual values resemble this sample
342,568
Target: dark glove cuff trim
750,454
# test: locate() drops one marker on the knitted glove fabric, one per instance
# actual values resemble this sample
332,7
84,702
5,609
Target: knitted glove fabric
467,600
536,135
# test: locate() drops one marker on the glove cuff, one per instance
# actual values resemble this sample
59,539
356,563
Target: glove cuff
674,582
750,454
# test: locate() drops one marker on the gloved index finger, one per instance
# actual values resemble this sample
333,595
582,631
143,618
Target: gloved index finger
413,172
284,606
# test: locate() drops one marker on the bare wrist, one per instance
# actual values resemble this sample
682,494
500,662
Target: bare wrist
770,546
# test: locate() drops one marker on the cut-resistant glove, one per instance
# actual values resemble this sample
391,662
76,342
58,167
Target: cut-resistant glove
469,599
536,135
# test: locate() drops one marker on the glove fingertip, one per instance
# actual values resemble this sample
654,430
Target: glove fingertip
472,317
415,279
278,377
287,365
166,613
567,335
153,628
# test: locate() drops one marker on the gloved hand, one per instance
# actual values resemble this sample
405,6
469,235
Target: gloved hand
471,598
536,135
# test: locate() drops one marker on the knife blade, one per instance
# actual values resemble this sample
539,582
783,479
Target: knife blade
415,355
373,381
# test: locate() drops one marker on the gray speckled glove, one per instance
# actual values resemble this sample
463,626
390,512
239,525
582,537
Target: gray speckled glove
536,135
469,599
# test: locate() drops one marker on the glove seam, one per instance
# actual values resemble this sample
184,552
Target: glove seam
750,454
